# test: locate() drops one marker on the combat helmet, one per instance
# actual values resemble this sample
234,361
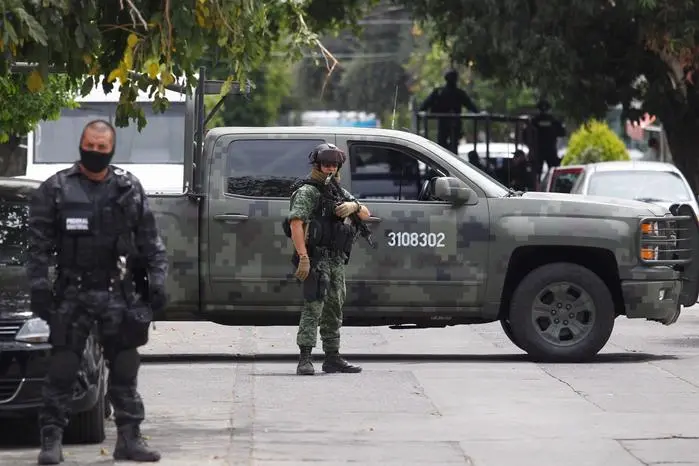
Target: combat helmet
327,153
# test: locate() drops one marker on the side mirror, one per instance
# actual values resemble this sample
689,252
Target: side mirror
452,190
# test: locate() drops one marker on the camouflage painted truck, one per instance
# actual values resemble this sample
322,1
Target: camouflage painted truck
454,246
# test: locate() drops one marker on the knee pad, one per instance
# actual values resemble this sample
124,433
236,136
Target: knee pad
126,364
64,367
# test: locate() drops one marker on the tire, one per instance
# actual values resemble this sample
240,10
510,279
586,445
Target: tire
593,320
108,411
88,427
507,328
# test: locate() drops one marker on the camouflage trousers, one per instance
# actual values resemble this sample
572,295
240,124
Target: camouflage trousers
326,313
71,325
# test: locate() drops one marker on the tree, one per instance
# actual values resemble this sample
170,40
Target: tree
431,59
21,110
264,105
586,55
370,76
594,142
164,40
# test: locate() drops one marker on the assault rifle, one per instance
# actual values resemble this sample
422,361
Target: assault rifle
362,228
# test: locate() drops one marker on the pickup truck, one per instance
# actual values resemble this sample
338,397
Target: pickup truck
454,246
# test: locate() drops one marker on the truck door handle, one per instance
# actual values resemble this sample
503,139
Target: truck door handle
373,220
230,218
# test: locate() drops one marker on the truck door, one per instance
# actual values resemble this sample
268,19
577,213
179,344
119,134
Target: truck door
430,255
249,257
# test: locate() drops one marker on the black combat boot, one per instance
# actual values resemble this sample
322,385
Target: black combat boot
335,363
305,366
131,446
51,445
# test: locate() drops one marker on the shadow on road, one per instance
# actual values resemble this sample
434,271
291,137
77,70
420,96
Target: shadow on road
604,358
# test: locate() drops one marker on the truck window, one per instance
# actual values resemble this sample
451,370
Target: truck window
160,142
267,167
384,172
14,216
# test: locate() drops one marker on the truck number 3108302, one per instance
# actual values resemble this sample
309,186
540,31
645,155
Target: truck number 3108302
415,240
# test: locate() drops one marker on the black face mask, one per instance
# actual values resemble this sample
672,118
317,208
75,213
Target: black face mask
94,161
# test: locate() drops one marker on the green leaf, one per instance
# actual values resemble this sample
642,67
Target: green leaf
35,31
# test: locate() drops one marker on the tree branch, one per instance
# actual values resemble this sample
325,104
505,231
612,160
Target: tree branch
133,12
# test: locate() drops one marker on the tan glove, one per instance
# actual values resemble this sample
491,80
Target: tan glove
347,208
303,268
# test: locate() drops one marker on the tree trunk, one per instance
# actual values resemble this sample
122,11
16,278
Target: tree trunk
13,158
683,139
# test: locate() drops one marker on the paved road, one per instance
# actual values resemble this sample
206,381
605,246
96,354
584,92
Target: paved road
457,396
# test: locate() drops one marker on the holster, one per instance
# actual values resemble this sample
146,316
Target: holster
59,323
315,286
135,325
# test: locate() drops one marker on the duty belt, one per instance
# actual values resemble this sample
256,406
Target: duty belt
327,253
94,281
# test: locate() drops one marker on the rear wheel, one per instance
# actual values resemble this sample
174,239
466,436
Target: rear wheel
561,312
88,426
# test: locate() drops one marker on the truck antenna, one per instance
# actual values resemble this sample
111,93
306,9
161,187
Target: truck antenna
395,100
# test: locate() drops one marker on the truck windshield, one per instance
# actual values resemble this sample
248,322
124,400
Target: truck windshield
160,142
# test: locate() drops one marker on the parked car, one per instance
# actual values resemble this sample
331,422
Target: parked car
24,346
654,182
561,179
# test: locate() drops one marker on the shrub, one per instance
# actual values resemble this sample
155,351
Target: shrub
594,142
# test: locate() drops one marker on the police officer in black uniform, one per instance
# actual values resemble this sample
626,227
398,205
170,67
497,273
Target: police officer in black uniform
541,136
449,99
95,218
522,176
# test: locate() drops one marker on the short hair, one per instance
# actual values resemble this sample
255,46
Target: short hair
101,126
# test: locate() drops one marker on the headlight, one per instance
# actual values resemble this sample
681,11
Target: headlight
34,331
649,228
649,233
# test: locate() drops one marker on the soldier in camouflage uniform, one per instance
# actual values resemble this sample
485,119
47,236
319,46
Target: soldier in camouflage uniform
322,235
96,218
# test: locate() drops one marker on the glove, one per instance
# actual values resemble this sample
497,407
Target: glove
347,208
41,303
303,268
157,298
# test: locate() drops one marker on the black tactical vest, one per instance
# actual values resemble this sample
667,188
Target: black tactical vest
326,230
93,233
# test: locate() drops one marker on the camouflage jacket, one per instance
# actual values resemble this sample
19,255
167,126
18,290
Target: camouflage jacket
44,224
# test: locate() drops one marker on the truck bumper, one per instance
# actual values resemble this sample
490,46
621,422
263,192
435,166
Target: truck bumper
657,300
658,288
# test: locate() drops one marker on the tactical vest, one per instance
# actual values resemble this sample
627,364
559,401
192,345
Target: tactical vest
94,233
325,229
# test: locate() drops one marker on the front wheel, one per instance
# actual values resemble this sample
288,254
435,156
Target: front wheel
562,312
507,328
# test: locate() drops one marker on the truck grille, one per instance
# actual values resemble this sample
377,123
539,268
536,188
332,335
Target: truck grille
8,389
9,328
671,238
